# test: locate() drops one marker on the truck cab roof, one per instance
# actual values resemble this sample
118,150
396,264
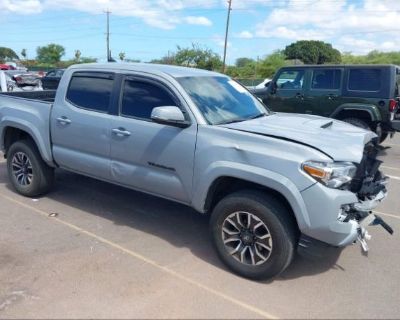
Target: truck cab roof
159,69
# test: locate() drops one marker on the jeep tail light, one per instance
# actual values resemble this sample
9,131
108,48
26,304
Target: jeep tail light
392,105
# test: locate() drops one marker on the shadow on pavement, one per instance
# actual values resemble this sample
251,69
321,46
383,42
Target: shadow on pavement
178,224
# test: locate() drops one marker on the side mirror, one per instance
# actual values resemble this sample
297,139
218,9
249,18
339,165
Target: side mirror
272,87
169,115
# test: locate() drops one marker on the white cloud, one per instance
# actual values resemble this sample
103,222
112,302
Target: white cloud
165,14
349,26
245,35
20,6
201,21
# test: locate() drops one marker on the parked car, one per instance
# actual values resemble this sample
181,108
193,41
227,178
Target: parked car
25,81
51,80
264,84
7,84
6,67
363,95
272,182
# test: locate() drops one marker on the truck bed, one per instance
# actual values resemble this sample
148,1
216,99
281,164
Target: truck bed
29,112
45,95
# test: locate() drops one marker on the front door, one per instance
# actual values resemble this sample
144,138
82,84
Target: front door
287,92
148,156
80,125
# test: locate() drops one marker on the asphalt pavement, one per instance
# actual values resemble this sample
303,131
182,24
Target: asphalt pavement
90,249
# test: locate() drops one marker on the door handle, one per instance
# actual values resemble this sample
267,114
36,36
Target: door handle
299,96
332,96
63,120
121,132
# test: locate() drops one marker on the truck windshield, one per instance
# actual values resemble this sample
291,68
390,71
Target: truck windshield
222,100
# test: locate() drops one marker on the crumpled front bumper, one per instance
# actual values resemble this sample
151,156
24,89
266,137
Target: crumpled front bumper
341,217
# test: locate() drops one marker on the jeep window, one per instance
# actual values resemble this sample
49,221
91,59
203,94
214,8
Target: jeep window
222,100
367,79
140,98
326,79
91,90
290,79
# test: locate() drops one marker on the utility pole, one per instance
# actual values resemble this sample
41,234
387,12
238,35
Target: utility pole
226,34
108,35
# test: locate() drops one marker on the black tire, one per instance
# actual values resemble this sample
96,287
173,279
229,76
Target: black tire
383,137
358,123
41,175
278,221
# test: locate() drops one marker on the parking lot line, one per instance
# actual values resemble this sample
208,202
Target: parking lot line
390,168
392,144
387,214
138,256
393,177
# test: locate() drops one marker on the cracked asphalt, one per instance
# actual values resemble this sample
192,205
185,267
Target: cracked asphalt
94,250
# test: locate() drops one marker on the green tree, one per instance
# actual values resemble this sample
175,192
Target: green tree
87,60
243,62
78,54
50,54
312,52
373,57
198,57
24,53
271,63
122,56
7,54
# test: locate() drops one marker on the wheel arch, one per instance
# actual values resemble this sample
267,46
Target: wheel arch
15,131
368,113
269,182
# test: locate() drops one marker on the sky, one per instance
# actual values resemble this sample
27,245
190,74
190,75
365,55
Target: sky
149,29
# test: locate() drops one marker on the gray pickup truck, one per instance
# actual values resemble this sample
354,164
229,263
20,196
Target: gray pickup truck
272,183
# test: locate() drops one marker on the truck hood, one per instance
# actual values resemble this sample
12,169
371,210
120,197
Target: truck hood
337,139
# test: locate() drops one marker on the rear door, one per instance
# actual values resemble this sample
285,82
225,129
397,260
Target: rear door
80,124
288,95
149,156
323,95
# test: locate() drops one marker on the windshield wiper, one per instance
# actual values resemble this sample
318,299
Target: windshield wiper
258,116
243,119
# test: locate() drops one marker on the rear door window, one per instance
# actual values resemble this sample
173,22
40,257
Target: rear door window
326,79
91,90
290,79
368,79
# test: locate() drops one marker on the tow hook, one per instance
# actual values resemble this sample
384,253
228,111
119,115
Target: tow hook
370,220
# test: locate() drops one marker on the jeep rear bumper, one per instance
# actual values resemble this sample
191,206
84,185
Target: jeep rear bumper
396,125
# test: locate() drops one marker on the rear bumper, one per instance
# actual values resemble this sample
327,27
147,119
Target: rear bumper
396,125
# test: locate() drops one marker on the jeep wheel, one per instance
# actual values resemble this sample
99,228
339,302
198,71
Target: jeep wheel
27,171
254,234
383,137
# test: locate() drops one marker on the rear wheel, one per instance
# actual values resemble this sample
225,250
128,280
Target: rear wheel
28,173
254,234
383,137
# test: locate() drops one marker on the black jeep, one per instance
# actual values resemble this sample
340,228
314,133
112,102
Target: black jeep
364,95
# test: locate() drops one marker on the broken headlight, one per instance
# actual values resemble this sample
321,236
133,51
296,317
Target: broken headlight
331,174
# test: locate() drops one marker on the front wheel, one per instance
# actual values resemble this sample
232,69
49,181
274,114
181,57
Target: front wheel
254,234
